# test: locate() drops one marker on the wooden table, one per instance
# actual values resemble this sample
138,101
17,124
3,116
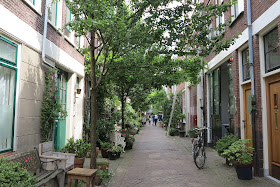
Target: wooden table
81,174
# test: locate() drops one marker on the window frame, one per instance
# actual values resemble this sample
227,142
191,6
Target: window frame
67,27
244,64
266,52
55,21
6,60
8,64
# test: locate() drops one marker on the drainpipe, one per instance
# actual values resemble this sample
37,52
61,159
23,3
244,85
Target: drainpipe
45,36
253,99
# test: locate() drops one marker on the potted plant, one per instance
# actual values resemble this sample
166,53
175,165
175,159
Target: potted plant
173,132
119,148
104,148
12,174
238,153
180,118
98,177
112,153
102,165
80,148
224,143
129,142
193,132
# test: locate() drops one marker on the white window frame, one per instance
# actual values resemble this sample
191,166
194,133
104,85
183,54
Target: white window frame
58,24
35,5
237,9
71,36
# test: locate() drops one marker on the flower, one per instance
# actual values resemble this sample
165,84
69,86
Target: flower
123,130
123,134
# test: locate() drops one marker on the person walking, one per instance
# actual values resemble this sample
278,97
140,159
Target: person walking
156,119
153,116
144,120
150,119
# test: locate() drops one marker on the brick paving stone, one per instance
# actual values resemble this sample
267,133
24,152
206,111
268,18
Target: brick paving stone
157,160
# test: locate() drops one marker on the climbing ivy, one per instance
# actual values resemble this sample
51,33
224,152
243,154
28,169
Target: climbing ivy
51,109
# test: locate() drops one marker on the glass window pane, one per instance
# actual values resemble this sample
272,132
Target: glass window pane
7,91
52,13
272,54
68,16
273,59
216,93
245,64
7,51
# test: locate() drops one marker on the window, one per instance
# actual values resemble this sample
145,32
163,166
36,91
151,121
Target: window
68,17
80,42
34,4
52,13
220,19
8,55
271,50
32,1
245,64
237,9
8,51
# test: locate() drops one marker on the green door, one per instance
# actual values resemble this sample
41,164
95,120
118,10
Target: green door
60,124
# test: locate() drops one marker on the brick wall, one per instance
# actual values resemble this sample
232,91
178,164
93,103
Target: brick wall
235,84
36,21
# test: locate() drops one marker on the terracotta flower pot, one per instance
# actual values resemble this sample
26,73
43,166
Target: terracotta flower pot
98,179
79,162
97,151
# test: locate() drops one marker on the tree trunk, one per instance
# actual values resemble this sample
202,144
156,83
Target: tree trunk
93,109
123,108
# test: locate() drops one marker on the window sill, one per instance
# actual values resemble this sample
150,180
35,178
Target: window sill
32,7
56,28
69,40
271,73
245,82
239,15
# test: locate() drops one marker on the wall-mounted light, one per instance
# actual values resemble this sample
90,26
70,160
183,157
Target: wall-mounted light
79,91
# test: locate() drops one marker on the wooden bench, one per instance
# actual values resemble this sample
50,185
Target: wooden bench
32,163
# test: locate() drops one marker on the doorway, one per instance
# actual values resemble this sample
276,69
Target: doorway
273,92
247,122
60,124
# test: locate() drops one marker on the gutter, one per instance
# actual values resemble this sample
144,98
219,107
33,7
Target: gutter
253,97
45,37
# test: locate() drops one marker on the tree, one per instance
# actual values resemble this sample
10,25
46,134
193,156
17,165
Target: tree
113,29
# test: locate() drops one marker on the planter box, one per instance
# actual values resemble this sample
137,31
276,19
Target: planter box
244,172
46,154
132,131
182,133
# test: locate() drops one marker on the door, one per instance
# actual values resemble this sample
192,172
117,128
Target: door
247,122
274,128
215,105
60,125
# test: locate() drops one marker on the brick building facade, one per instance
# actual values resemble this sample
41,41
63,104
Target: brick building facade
227,82
23,67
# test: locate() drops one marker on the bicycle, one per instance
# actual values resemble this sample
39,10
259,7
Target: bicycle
199,154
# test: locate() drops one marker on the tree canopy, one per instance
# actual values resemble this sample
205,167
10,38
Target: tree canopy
143,34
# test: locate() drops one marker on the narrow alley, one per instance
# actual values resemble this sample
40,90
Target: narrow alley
160,161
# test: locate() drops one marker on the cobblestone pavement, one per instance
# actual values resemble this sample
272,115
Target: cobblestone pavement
160,161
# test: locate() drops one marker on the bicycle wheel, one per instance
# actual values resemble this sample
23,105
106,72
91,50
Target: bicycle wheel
199,156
